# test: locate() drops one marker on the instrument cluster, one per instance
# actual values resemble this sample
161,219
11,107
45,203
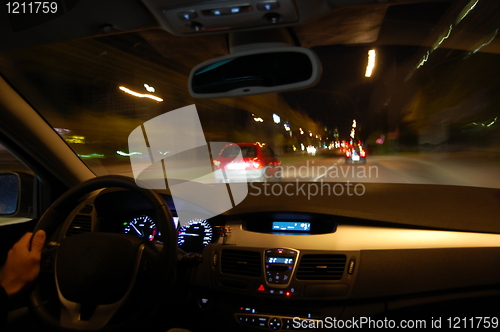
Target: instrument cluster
192,236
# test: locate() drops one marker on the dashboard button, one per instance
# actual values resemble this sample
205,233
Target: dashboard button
187,15
287,324
217,12
352,265
253,320
262,322
275,323
266,6
227,10
204,302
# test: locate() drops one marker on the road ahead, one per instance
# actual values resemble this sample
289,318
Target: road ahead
464,169
479,169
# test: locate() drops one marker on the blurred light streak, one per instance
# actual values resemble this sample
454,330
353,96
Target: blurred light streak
483,45
467,9
140,95
62,131
437,44
483,124
93,155
371,63
424,59
124,154
75,139
149,88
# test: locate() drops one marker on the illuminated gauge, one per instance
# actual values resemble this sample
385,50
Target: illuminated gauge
195,235
142,226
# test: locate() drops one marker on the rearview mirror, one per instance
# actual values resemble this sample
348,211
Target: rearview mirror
275,69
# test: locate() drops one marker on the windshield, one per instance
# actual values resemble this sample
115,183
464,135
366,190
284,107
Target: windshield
383,113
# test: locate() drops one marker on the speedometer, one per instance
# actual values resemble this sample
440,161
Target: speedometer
142,226
195,235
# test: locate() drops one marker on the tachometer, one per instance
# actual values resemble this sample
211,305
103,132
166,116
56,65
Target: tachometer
195,235
142,226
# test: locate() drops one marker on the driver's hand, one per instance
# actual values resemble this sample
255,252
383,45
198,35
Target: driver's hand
23,264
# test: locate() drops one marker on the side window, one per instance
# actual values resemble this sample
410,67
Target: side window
9,163
16,201
248,151
230,151
16,189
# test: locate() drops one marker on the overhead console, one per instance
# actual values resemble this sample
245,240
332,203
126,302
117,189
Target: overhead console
185,17
211,16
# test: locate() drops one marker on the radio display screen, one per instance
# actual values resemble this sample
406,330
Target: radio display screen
291,226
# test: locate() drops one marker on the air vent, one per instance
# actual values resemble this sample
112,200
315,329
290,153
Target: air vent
321,267
80,224
87,209
241,262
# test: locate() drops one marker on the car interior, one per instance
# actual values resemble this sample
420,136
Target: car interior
413,245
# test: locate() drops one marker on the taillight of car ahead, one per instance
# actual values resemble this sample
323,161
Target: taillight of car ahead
245,164
255,164
348,153
362,153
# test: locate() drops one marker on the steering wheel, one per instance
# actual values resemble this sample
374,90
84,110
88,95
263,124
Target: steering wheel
102,281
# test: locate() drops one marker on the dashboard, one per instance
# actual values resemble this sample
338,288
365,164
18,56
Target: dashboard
267,269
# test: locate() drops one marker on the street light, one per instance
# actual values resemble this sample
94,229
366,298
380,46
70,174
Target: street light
276,118
149,88
257,119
